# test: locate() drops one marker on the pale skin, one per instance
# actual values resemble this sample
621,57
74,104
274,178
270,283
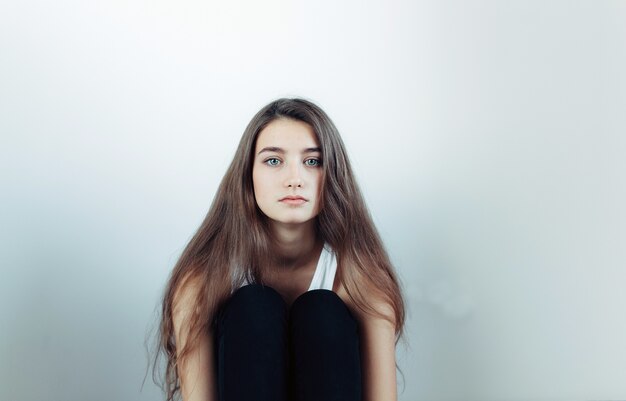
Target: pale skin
285,165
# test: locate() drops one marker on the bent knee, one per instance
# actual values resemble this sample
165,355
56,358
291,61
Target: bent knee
254,305
322,312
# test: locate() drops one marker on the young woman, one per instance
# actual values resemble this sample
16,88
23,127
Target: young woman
285,292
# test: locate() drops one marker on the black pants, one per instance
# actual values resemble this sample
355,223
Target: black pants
265,352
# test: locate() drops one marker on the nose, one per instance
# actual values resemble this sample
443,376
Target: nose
294,176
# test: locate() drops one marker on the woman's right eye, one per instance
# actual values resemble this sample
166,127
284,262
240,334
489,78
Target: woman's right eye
272,161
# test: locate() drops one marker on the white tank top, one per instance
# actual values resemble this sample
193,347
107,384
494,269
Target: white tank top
325,271
324,275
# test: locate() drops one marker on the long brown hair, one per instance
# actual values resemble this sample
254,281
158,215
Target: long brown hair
235,233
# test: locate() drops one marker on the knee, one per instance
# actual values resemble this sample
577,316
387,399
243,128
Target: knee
254,306
322,316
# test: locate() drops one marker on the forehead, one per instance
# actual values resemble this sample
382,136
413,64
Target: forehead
288,134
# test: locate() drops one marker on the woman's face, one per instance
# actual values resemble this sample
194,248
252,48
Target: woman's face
287,171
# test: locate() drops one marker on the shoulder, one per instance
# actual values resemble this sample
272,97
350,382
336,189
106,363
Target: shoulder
186,291
184,301
384,313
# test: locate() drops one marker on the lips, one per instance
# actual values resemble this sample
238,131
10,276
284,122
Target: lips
293,198
293,201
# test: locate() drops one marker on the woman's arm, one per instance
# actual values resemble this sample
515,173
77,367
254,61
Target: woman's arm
378,349
378,358
197,375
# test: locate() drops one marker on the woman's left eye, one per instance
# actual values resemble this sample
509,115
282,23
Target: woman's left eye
312,162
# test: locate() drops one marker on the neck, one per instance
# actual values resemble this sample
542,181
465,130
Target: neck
295,245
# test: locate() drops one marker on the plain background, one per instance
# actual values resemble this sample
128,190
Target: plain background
487,137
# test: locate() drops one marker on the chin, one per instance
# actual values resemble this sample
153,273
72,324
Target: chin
292,220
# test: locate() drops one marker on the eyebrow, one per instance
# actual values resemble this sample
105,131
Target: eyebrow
281,150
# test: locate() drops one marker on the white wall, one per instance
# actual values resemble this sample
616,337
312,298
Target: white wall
488,137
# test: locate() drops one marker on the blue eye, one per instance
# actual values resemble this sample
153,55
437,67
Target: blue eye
272,161
315,162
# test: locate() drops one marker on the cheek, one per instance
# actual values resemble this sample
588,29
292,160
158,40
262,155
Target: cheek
255,182
318,188
318,183
259,182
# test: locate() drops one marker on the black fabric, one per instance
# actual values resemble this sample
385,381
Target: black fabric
265,352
